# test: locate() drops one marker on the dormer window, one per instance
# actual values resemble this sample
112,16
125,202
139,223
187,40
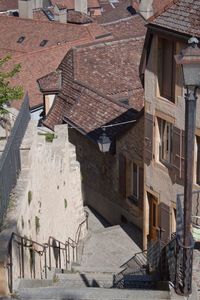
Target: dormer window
43,43
21,39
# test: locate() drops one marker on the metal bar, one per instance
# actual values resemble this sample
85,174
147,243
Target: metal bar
59,257
190,124
45,262
22,254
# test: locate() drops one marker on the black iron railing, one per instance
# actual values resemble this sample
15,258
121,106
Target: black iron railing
10,163
136,265
26,259
174,261
30,259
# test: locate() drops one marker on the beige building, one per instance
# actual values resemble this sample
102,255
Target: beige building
164,118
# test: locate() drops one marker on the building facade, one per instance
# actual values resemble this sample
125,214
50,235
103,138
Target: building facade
165,118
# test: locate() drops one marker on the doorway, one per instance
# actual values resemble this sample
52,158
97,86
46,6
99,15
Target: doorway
153,216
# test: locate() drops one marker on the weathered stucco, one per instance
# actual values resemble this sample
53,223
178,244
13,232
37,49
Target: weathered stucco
47,200
158,181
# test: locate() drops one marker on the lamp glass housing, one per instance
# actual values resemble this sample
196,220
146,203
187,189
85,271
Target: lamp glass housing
191,74
104,143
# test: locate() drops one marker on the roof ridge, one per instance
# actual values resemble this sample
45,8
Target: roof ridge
43,50
110,41
159,12
118,21
39,21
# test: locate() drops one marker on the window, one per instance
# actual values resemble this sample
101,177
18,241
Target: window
173,220
165,142
135,180
198,160
166,68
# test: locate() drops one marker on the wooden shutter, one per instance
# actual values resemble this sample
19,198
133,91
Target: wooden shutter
141,187
122,175
178,145
148,151
165,221
176,150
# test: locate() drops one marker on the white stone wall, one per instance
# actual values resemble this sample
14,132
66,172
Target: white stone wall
53,195
47,200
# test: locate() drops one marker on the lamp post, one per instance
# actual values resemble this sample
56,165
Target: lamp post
189,59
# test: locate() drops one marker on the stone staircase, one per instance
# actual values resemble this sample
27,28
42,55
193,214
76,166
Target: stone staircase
107,251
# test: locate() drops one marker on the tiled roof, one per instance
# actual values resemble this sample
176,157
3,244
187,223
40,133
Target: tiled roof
50,82
182,16
92,111
37,61
70,4
78,17
131,26
8,5
33,66
85,104
34,31
112,69
113,12
159,5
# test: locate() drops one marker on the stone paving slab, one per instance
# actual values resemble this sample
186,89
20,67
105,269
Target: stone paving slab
91,294
107,250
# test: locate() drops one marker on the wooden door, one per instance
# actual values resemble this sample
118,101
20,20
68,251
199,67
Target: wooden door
153,216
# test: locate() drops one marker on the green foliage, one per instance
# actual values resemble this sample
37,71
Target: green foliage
37,224
29,197
49,137
65,203
8,92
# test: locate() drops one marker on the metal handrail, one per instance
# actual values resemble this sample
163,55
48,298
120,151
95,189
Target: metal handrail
75,243
61,247
23,243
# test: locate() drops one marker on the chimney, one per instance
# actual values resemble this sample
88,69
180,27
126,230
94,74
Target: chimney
146,8
25,9
81,5
60,13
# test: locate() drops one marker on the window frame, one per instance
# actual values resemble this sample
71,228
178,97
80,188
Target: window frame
162,73
134,197
197,172
165,131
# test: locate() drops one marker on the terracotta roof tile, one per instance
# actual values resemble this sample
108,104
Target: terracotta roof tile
8,5
71,5
112,68
50,82
37,61
78,17
182,16
85,103
131,26
113,12
35,31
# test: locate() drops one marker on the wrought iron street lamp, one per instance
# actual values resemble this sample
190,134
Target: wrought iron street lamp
104,141
189,59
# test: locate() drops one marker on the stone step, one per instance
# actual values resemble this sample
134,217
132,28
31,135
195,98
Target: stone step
60,293
34,283
103,280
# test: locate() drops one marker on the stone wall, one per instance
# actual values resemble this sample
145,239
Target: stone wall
52,203
47,200
100,174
